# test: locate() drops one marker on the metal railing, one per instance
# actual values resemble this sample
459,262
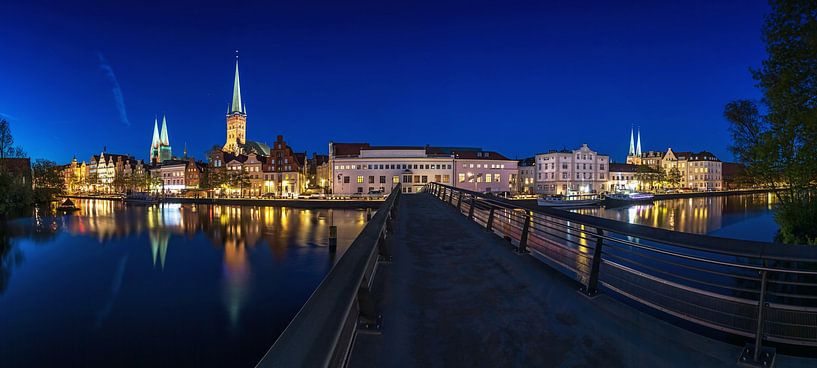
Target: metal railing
323,331
724,284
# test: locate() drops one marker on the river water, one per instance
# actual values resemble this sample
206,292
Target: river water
748,216
160,286
200,285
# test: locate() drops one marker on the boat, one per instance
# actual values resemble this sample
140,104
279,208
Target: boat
569,201
140,198
67,206
625,199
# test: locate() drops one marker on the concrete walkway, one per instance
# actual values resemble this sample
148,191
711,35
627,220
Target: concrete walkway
457,296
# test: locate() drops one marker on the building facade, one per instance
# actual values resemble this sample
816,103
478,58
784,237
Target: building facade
571,172
527,176
622,177
360,168
484,171
700,171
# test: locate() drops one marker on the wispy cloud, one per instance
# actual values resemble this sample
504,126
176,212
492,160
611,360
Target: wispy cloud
7,116
117,91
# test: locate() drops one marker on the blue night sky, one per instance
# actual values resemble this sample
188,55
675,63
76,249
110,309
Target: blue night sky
515,77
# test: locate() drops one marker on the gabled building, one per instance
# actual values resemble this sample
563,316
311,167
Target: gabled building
571,171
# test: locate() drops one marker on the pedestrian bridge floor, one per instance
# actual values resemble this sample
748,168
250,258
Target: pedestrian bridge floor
455,295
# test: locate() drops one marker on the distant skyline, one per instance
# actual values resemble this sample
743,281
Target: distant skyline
517,77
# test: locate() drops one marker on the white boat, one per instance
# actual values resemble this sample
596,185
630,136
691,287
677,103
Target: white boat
623,199
569,201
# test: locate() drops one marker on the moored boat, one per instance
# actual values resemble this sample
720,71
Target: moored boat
624,199
140,198
569,201
67,206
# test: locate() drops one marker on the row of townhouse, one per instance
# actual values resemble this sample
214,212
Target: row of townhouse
360,168
275,170
586,171
118,173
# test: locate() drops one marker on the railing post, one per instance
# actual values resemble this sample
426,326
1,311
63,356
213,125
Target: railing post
593,281
489,223
523,239
459,202
471,209
755,355
450,196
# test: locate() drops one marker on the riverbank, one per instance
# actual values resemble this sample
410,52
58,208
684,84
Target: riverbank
658,197
292,203
711,194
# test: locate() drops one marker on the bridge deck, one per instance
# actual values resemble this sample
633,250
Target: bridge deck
456,295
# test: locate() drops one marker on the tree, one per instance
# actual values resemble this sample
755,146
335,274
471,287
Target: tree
48,180
779,147
646,175
674,177
7,149
238,179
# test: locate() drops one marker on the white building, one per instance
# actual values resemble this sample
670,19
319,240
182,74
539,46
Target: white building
570,172
362,168
484,171
622,177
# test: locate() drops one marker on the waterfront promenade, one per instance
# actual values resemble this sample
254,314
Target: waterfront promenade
455,294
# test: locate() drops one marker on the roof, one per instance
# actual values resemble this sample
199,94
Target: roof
300,157
615,167
257,147
479,155
530,161
348,149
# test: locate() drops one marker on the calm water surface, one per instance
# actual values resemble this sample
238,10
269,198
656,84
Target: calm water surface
161,286
747,216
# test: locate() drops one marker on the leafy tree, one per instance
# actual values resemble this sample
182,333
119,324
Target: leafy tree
238,179
48,180
779,146
674,177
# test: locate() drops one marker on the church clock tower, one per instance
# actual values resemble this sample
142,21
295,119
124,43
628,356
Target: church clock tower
236,119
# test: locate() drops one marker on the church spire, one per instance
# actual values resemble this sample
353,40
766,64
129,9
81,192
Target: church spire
237,106
164,139
154,143
631,152
638,145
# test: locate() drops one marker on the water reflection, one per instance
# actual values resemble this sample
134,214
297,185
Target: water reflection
227,279
703,215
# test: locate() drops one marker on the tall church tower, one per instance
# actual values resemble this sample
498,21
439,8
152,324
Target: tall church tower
634,154
236,119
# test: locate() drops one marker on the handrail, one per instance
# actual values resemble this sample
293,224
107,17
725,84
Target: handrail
726,246
322,332
747,288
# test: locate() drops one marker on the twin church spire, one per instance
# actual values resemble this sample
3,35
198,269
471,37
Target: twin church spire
635,149
160,144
